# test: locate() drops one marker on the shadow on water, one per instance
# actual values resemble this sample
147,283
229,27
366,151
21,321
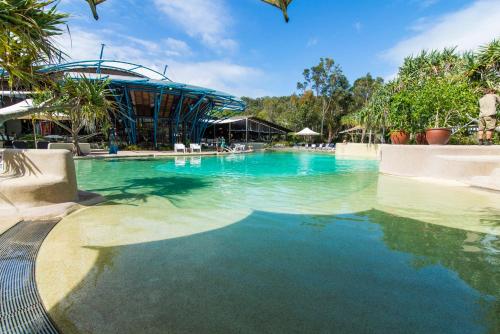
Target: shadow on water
368,272
141,189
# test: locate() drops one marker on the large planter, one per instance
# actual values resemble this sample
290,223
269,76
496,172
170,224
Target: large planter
421,138
438,136
400,137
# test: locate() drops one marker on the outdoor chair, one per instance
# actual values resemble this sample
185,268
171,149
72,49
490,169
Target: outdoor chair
320,146
313,146
20,144
194,147
306,146
42,145
239,147
179,147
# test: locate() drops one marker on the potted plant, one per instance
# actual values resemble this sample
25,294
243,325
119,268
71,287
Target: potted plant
399,137
441,104
399,118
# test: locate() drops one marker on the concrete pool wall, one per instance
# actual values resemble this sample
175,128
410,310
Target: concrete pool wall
477,166
471,165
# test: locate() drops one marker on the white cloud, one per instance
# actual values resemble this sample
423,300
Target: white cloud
175,47
312,42
466,29
219,74
207,20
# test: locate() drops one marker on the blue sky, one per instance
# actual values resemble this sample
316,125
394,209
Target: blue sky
244,47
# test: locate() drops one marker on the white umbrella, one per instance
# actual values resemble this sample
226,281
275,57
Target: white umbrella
307,132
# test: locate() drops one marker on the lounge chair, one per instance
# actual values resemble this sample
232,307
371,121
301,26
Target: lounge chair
239,147
20,144
320,146
194,147
313,146
330,147
306,146
179,147
42,145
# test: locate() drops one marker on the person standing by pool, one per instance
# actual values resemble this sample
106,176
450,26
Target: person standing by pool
487,116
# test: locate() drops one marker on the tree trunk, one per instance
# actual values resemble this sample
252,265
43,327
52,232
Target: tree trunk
363,134
75,130
78,151
330,134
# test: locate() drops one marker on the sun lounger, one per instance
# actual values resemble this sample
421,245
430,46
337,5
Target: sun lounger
194,147
20,144
42,145
179,147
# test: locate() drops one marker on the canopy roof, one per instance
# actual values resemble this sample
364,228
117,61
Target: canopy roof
129,74
307,132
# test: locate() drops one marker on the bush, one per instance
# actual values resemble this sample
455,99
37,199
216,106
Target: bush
443,103
131,148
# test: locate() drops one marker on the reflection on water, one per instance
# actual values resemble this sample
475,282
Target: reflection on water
275,243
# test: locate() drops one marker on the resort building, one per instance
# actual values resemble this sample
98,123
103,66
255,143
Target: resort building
245,129
154,111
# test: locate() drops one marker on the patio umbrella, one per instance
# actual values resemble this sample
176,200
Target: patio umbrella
281,4
307,132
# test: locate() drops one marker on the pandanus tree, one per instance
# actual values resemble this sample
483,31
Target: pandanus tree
27,31
484,66
281,4
82,101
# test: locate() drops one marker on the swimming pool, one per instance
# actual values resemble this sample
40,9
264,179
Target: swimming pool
271,242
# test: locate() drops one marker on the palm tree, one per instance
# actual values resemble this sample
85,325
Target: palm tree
281,4
27,31
85,103
484,66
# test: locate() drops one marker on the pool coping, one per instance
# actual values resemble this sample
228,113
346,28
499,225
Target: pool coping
153,154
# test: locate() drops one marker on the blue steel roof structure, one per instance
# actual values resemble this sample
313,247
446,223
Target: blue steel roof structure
146,77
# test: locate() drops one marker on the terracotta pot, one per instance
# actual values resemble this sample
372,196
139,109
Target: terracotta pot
421,139
400,137
438,136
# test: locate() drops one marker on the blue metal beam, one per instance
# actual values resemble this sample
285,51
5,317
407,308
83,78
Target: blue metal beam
156,112
177,116
132,119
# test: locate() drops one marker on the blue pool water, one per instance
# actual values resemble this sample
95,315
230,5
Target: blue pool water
279,243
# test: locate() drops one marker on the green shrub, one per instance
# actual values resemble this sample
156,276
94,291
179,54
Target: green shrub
131,148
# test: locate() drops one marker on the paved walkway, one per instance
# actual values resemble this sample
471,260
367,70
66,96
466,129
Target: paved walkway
21,309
